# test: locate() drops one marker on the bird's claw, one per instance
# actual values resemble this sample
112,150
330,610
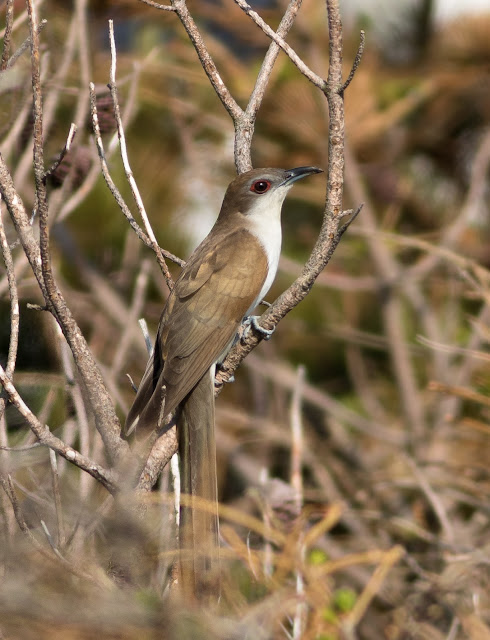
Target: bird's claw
254,322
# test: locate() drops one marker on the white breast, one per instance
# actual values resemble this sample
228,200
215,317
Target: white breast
264,221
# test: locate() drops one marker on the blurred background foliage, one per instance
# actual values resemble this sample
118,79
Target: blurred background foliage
393,337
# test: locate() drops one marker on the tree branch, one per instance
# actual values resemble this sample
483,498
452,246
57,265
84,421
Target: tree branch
46,437
305,70
14,309
206,60
332,230
127,168
7,38
38,255
112,186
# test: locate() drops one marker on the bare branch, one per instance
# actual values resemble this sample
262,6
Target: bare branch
434,500
7,485
331,230
105,416
131,317
270,58
127,167
71,134
207,62
14,309
305,70
244,126
14,301
357,61
24,46
45,437
112,187
156,5
55,483
161,453
9,19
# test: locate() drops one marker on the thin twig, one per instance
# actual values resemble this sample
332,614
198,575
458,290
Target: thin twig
461,392
46,437
391,309
112,187
297,438
127,167
24,46
156,5
357,61
372,588
206,60
289,51
19,20
433,499
14,301
286,378
299,621
71,134
14,322
8,487
267,65
244,126
55,482
131,317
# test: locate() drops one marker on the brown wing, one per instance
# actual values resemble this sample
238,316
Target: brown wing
217,287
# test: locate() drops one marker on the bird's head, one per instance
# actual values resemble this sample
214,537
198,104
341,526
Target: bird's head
261,192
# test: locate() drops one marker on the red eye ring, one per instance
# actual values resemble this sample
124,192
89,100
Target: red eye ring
260,186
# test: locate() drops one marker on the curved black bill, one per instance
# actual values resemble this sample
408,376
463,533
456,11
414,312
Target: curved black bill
300,172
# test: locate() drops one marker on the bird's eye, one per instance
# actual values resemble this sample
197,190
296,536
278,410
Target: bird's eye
260,186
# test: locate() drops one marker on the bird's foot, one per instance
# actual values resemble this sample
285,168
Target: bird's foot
254,322
219,367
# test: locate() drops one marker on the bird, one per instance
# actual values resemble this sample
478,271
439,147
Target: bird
222,282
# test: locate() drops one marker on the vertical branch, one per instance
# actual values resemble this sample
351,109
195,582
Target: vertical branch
55,483
14,302
7,38
297,438
299,621
37,107
10,366
105,416
336,127
245,125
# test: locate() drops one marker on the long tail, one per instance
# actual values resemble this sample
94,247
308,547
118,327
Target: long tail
199,527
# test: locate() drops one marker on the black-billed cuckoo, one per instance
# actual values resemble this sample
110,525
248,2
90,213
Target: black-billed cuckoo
225,278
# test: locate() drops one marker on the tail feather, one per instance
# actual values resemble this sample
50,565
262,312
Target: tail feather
199,528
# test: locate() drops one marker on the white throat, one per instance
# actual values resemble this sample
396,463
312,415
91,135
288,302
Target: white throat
264,221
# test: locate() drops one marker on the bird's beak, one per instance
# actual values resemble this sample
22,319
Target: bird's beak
300,172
